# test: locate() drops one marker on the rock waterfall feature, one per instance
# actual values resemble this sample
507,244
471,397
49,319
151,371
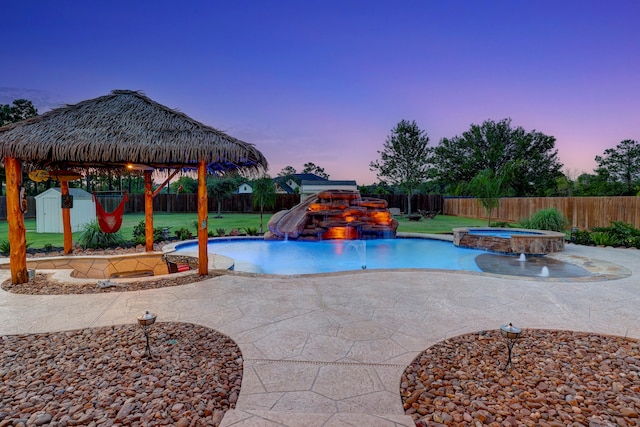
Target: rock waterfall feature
334,214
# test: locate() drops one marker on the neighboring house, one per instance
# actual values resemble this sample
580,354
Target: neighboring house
245,189
288,185
312,187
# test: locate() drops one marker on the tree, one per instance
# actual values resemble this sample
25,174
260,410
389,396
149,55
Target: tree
21,109
287,171
220,188
404,159
263,195
492,145
314,169
184,184
488,187
622,165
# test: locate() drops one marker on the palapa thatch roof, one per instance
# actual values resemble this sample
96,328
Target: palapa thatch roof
124,127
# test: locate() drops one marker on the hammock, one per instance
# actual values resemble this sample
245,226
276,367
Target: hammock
110,222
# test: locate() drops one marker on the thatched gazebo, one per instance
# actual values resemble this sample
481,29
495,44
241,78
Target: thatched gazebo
122,130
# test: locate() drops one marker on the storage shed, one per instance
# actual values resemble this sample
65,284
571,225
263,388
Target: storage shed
49,210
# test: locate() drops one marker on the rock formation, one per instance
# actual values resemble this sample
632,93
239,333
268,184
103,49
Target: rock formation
334,214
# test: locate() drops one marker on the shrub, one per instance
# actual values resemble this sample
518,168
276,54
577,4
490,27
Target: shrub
93,237
633,242
183,233
604,238
48,247
581,237
545,219
140,233
501,224
221,232
625,234
5,246
251,231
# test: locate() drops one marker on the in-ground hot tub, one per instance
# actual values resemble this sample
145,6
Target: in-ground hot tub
509,240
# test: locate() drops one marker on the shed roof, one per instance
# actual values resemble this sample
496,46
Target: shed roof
77,193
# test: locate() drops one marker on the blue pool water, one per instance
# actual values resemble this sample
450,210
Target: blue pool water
505,234
292,257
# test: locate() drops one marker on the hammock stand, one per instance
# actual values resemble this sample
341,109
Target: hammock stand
110,222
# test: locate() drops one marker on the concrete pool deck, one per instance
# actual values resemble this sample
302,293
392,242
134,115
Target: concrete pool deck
329,350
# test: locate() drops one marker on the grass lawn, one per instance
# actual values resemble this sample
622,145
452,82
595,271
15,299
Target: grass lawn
440,224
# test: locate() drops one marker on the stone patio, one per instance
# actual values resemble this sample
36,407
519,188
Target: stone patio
329,350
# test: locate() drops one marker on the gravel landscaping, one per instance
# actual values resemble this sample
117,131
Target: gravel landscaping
101,377
558,378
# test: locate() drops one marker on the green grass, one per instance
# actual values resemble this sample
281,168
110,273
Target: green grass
440,224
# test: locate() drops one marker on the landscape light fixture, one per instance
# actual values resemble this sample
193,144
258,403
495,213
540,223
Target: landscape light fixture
511,334
146,322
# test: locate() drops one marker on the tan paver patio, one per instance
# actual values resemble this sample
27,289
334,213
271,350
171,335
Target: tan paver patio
329,350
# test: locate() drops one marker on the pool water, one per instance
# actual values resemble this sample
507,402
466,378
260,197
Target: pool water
293,257
502,233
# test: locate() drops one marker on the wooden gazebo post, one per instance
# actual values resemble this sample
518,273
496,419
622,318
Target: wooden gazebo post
203,220
148,211
15,220
66,219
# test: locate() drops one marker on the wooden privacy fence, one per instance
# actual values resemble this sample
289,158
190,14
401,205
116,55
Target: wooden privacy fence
425,202
185,202
581,212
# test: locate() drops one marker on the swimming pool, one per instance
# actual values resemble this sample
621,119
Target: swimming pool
294,257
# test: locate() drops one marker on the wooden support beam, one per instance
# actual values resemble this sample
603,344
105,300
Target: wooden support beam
15,220
203,220
66,220
159,189
148,211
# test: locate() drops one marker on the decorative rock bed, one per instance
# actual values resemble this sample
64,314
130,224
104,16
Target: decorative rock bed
99,376
509,240
558,378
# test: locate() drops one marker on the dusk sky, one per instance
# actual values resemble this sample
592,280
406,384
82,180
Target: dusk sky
326,81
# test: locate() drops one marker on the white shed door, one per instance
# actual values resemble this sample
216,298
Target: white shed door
52,215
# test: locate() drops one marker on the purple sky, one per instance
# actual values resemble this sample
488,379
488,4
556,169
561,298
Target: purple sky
325,81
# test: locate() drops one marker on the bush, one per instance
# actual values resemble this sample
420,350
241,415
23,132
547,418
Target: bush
221,232
625,234
251,231
633,242
93,237
5,247
581,237
501,224
183,233
604,238
140,233
545,219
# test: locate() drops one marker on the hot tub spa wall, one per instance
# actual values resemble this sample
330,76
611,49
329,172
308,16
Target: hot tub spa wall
539,244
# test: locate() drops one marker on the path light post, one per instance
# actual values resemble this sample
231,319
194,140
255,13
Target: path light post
146,322
511,334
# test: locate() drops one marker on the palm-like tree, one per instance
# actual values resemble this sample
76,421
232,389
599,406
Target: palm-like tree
264,195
